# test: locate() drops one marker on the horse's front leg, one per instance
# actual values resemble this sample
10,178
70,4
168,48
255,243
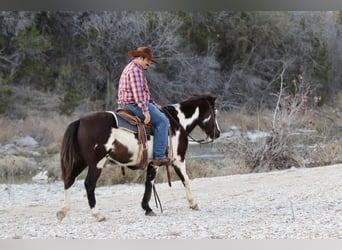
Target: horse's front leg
150,176
180,169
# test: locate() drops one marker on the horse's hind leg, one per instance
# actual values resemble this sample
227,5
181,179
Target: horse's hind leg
66,205
77,169
181,172
150,176
90,185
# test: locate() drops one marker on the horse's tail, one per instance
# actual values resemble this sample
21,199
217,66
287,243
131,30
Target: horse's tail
70,151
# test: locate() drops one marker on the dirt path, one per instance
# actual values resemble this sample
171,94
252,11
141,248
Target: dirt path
297,204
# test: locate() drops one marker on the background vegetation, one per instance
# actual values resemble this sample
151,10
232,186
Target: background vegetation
56,66
237,55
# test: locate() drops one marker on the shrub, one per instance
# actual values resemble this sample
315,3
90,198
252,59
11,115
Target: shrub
69,102
5,99
277,150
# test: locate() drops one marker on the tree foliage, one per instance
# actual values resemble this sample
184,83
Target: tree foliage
236,55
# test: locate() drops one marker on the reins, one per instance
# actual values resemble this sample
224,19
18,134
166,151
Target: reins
156,198
201,141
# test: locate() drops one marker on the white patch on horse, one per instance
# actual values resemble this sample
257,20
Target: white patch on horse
189,195
186,121
128,140
109,144
174,143
95,146
66,205
207,119
218,127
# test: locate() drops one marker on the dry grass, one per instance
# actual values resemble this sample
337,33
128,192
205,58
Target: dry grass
7,131
11,166
325,154
44,129
244,120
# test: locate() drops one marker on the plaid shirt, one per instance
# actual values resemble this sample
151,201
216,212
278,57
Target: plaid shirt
133,87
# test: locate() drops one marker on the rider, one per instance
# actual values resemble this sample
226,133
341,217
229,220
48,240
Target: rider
134,94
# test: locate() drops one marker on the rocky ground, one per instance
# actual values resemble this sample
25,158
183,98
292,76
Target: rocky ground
290,204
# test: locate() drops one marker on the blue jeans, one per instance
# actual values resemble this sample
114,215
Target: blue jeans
161,126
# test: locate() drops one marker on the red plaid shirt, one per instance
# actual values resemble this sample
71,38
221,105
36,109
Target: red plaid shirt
133,87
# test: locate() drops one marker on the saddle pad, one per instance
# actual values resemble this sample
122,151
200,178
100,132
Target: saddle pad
123,124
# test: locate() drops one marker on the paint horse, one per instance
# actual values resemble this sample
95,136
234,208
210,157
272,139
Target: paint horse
96,138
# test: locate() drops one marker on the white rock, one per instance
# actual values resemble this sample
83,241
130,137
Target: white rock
40,177
27,141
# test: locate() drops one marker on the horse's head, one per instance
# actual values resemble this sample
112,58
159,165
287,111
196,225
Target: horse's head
207,119
199,111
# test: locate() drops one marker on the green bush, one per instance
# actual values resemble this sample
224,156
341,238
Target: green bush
69,102
5,99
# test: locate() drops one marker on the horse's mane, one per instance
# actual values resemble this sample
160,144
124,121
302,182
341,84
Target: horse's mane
195,98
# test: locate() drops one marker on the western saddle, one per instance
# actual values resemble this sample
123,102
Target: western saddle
143,130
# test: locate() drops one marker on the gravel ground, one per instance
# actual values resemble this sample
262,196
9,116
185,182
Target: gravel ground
291,204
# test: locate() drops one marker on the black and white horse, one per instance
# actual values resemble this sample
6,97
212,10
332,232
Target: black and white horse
96,138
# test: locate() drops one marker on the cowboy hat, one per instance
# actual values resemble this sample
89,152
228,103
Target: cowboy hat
145,52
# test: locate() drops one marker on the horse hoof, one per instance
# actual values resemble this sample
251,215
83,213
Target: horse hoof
195,207
99,217
60,215
151,213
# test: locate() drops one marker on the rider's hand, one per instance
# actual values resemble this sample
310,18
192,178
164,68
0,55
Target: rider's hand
147,117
